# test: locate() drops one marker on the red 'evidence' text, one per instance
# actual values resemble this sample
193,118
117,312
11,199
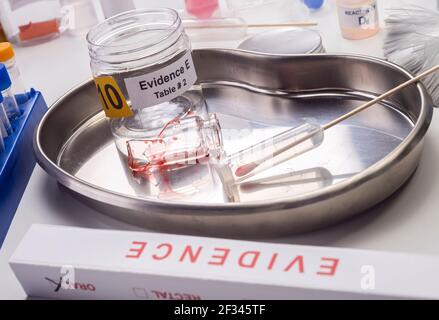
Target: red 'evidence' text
221,256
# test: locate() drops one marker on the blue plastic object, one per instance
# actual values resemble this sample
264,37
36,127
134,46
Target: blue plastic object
314,4
5,80
18,161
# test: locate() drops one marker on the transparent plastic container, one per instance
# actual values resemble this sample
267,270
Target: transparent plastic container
30,21
82,15
147,54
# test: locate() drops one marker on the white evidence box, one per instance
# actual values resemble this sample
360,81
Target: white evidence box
74,263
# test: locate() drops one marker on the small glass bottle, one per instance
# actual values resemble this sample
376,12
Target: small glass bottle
10,103
142,64
7,57
358,18
183,142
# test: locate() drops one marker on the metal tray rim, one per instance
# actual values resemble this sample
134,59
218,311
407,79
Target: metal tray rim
415,136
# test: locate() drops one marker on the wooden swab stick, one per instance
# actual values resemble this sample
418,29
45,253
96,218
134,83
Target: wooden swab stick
380,98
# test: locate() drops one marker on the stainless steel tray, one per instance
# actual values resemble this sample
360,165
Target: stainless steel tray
361,162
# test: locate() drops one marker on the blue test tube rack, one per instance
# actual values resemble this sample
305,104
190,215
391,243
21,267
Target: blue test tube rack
17,162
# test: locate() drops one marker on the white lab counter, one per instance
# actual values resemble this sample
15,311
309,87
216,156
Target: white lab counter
409,221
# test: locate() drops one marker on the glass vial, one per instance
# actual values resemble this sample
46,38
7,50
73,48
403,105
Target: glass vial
182,143
146,56
358,18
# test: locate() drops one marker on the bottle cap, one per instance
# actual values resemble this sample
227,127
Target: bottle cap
5,80
6,51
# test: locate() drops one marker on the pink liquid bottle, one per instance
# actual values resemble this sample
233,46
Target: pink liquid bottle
202,9
358,18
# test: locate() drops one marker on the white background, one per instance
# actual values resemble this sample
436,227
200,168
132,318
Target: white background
408,222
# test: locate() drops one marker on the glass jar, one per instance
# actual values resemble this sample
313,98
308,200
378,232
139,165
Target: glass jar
142,65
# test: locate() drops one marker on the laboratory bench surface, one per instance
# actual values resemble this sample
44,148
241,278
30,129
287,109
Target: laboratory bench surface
407,222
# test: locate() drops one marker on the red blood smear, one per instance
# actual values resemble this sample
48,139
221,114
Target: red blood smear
158,172
174,121
135,165
245,169
170,123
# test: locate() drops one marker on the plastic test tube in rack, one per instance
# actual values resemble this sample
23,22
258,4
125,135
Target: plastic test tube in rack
10,103
6,127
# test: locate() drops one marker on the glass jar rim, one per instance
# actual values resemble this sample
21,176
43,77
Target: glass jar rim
94,32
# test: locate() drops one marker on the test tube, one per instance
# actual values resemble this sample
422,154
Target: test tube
279,185
3,130
6,125
2,142
7,57
10,104
291,143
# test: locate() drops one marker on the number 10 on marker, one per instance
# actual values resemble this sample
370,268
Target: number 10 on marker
112,98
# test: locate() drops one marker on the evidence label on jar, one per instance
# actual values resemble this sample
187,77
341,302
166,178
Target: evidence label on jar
364,17
163,85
